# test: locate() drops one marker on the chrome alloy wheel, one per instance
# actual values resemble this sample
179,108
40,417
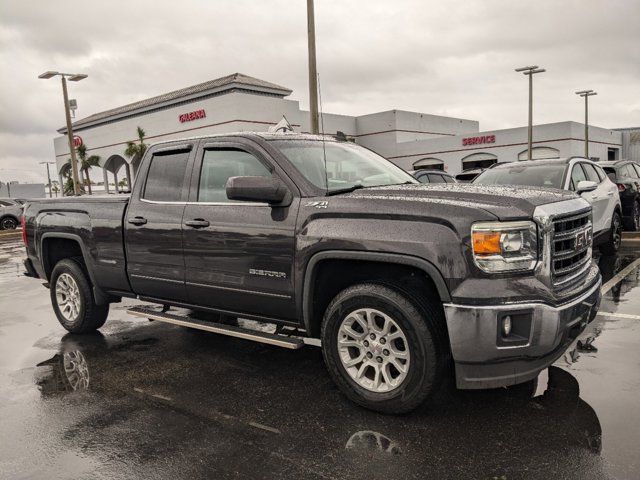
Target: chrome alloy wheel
373,350
68,296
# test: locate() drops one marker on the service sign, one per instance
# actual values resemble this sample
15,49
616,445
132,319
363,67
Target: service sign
478,140
191,116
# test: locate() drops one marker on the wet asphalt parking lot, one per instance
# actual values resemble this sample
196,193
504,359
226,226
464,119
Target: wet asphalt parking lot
150,400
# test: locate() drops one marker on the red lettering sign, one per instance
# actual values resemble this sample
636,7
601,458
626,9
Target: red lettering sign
478,140
77,141
191,116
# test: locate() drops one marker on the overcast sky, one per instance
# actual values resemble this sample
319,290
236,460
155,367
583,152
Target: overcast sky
443,57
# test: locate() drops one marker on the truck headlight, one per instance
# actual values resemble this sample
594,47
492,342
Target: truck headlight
505,246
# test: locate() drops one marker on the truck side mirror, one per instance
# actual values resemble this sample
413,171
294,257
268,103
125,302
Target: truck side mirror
256,189
586,186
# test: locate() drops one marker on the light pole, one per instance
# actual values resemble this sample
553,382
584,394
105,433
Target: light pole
48,177
586,94
313,74
531,70
73,77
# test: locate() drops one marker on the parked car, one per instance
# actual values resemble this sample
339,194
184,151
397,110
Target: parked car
626,175
10,213
468,175
432,176
577,174
326,239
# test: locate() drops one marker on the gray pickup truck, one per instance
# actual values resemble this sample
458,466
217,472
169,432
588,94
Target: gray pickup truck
402,282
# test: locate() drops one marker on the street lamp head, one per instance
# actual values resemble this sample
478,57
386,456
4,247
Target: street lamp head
77,77
586,93
524,69
48,74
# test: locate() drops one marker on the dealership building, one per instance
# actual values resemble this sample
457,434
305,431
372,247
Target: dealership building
239,102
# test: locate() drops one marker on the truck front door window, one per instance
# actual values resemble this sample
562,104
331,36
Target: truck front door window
220,165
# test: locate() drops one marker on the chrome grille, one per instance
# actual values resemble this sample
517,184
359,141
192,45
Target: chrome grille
571,242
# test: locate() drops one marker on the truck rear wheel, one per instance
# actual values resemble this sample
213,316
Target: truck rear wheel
72,298
379,349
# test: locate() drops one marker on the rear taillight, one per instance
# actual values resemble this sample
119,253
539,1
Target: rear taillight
621,187
23,224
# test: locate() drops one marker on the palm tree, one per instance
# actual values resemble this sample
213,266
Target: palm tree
67,188
135,151
86,163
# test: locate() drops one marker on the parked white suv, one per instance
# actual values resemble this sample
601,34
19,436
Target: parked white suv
580,175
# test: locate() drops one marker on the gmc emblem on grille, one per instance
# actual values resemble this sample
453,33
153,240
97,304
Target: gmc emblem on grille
582,240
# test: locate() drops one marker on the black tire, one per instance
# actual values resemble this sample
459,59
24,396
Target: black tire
614,238
632,223
89,316
418,327
8,223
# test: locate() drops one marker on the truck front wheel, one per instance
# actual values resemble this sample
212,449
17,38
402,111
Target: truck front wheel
379,349
73,300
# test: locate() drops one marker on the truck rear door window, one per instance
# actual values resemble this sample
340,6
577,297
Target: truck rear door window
221,164
166,176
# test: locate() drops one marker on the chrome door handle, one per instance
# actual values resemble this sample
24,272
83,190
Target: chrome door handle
197,223
610,194
137,220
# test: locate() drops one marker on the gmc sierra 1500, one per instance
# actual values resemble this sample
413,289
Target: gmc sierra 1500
326,239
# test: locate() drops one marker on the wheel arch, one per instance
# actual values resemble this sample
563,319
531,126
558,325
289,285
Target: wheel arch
314,267
72,246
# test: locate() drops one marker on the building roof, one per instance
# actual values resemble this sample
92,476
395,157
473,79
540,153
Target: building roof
235,81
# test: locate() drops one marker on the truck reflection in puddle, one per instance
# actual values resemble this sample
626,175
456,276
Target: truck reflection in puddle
558,418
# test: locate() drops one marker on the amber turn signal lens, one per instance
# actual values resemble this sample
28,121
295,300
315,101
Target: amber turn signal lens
486,243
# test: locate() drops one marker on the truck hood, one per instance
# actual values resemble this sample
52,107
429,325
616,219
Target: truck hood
506,202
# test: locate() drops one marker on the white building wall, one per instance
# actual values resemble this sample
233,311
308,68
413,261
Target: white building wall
231,112
566,137
401,136
384,131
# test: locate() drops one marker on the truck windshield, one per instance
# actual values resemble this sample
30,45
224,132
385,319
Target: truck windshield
347,165
543,175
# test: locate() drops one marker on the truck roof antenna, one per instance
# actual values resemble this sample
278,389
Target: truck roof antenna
324,151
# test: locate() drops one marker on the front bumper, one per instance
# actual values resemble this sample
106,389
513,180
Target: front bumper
482,360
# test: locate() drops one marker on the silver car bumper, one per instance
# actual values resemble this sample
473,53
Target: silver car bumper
483,359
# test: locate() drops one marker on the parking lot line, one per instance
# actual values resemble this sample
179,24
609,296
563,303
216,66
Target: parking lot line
264,427
621,315
619,276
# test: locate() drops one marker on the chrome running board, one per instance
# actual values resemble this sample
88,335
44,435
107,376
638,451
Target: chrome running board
229,330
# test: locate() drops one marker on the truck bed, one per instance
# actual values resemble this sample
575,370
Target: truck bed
95,223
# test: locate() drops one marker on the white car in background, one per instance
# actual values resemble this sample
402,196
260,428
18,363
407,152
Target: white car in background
10,213
577,174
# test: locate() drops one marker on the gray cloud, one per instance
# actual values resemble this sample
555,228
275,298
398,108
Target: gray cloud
449,58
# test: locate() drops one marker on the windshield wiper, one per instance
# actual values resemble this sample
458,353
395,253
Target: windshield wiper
338,191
